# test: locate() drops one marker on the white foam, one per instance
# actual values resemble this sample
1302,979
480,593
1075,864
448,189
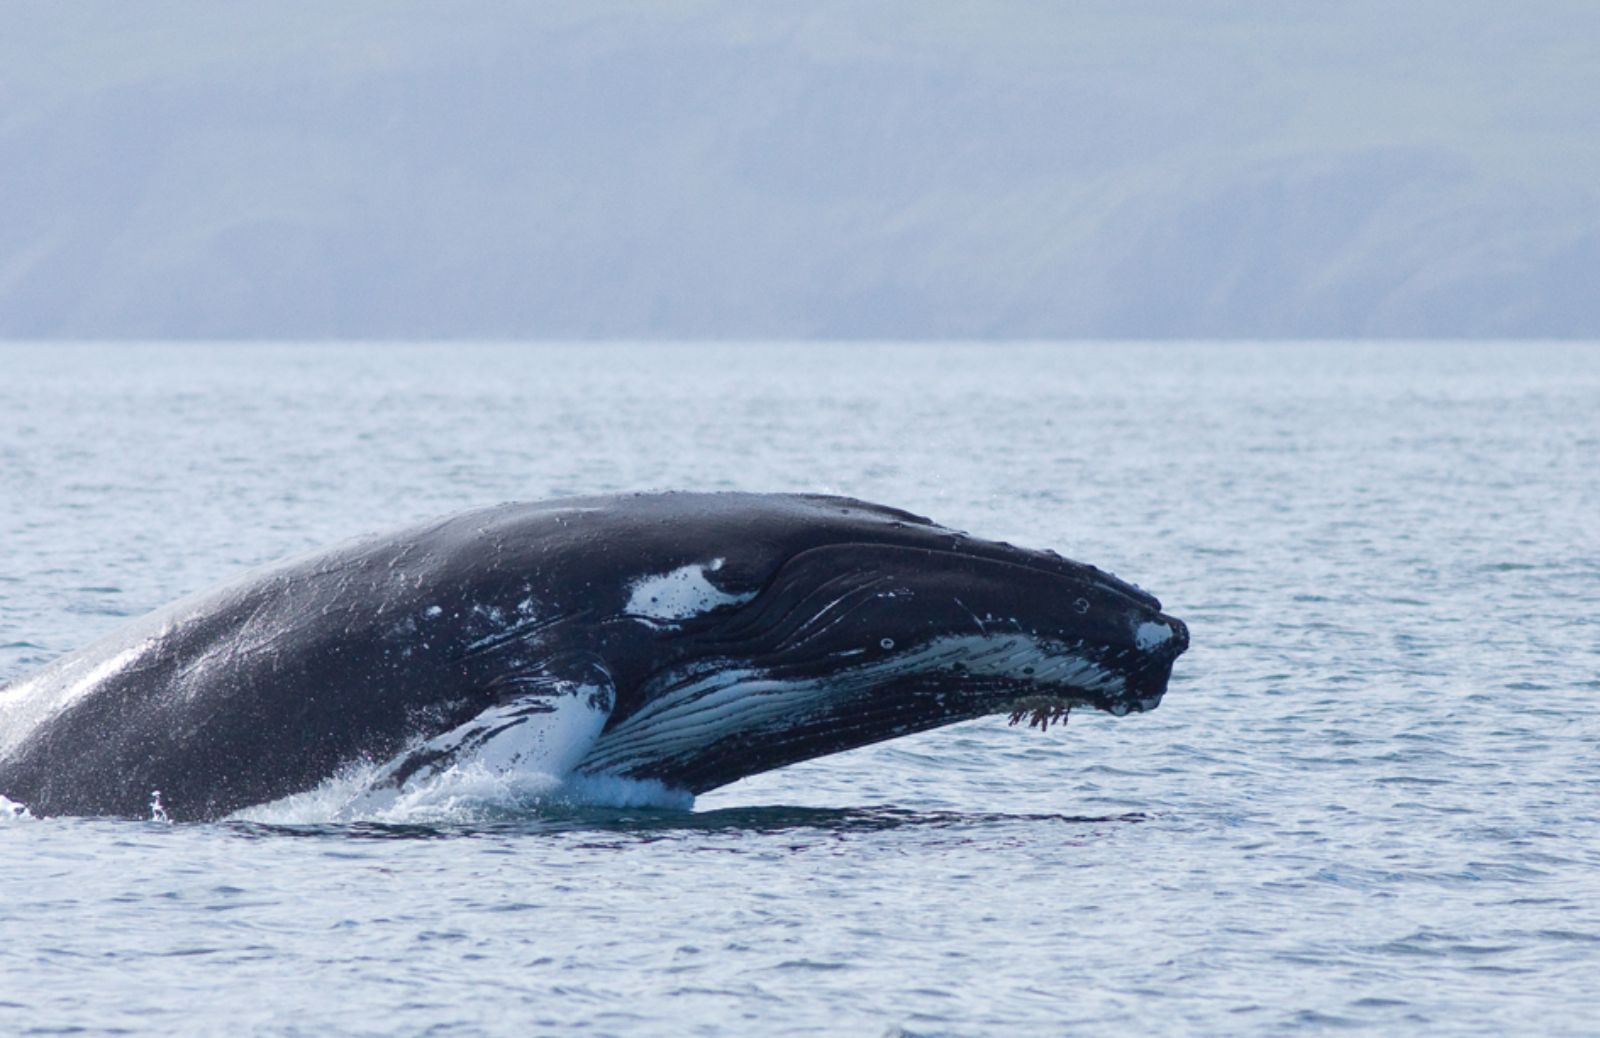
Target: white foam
462,794
615,791
12,813
680,594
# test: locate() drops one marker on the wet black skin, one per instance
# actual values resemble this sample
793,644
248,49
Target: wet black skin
268,685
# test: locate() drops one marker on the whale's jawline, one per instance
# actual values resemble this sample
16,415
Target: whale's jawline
710,728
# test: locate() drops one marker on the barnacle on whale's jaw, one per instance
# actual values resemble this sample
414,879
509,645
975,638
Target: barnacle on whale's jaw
1042,711
1144,673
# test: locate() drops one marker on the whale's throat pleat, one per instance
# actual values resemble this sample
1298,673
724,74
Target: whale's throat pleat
705,727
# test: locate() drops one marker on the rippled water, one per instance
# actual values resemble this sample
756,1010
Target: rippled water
1371,800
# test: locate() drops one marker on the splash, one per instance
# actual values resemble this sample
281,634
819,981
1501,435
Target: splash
470,792
505,764
13,812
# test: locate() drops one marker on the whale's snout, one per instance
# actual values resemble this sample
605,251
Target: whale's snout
1160,639
1180,635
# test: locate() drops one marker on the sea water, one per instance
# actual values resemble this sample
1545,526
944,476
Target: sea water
1370,801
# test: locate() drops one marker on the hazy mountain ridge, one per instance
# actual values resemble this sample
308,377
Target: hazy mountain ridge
888,170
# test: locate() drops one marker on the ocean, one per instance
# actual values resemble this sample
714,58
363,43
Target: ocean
1369,803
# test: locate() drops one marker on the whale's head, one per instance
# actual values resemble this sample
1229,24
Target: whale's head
830,624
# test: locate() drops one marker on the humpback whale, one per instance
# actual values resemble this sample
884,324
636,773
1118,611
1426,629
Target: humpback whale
689,638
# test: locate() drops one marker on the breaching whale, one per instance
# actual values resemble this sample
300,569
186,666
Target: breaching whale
688,638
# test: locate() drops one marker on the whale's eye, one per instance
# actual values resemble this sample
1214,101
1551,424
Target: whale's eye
1028,671
1081,605
886,643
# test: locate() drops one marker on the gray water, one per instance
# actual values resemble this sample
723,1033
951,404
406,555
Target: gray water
1370,801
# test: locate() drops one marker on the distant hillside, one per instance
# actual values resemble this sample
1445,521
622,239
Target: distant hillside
375,169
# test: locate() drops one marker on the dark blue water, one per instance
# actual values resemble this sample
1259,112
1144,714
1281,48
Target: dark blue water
1370,802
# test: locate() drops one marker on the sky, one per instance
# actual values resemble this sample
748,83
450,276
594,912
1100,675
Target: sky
927,169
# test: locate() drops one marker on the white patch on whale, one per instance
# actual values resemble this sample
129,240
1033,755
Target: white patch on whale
679,594
519,770
546,744
1148,635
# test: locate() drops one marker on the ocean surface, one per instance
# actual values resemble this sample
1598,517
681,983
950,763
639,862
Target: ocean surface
1370,802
